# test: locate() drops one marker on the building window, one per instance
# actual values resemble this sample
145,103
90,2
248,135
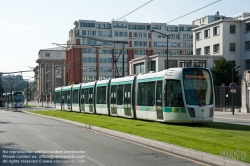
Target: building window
198,51
247,45
216,18
207,50
247,64
198,36
183,63
172,63
140,43
216,30
232,28
141,27
207,33
153,66
200,64
232,46
47,54
139,68
247,26
216,48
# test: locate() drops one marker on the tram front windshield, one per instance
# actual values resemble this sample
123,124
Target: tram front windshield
197,86
18,97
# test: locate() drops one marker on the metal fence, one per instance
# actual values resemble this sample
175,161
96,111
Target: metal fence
223,97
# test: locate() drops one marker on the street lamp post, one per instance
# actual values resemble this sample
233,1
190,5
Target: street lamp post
233,68
167,41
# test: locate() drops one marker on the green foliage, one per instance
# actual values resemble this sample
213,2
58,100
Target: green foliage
222,73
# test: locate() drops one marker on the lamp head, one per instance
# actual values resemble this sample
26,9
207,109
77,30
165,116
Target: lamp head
152,30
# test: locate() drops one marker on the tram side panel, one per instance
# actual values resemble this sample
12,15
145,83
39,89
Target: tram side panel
87,103
101,99
75,99
121,97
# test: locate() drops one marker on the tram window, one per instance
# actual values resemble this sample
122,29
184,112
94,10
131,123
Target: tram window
150,89
159,93
90,90
82,96
127,94
120,94
101,95
113,94
141,94
68,97
75,96
64,94
104,95
174,94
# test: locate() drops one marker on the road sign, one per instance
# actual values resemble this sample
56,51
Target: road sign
2,98
233,86
233,91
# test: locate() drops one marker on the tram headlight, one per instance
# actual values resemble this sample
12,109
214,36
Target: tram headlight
191,112
211,112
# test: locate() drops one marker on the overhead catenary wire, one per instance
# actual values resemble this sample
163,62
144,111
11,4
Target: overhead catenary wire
193,11
134,10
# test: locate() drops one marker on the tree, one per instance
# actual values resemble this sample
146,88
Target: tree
222,73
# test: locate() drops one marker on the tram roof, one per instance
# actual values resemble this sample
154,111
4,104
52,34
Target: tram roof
102,82
88,84
76,86
66,88
122,80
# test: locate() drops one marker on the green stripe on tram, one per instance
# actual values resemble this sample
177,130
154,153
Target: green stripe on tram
121,83
174,109
149,79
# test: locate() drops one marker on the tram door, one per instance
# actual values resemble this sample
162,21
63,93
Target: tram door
113,104
159,109
127,100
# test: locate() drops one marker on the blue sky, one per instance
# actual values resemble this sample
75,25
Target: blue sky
26,26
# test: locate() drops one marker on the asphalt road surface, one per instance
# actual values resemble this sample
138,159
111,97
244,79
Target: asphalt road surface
30,140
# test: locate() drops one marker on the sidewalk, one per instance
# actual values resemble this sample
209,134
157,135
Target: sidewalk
239,118
41,104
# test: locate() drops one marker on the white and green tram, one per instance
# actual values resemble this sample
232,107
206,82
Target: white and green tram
175,95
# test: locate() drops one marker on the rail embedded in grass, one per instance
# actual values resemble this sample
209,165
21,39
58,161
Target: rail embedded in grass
227,140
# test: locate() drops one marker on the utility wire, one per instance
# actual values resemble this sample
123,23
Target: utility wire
193,11
134,10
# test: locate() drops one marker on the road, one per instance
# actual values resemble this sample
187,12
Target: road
28,138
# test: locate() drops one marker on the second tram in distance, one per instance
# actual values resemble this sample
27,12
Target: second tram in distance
14,100
175,95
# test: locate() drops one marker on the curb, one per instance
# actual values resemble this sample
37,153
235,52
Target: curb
170,148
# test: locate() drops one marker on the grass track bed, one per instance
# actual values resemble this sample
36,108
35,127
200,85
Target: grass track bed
215,138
